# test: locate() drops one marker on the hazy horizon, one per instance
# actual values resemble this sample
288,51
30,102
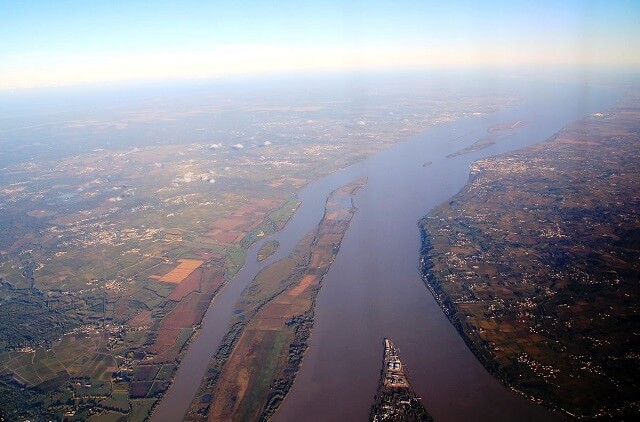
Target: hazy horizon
69,43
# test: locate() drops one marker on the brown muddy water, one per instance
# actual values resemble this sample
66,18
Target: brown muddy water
374,290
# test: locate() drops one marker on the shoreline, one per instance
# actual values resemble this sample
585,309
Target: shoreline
468,292
435,288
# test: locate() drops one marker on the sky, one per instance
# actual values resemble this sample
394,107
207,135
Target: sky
58,43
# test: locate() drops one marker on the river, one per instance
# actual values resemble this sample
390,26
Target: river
374,290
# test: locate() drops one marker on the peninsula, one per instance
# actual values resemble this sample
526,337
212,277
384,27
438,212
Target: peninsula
395,400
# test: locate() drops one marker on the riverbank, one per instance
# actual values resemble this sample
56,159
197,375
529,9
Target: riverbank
535,264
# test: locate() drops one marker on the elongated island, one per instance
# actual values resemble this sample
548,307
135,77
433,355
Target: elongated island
257,361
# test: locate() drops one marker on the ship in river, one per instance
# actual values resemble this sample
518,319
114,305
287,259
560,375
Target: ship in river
395,399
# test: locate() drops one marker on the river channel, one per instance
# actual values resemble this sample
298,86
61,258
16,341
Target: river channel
374,290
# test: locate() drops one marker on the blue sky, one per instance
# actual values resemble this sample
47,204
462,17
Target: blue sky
51,42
